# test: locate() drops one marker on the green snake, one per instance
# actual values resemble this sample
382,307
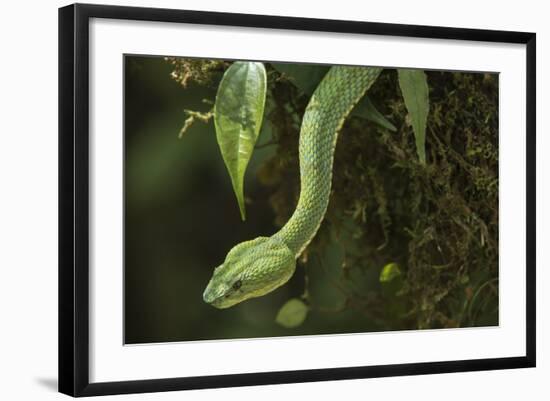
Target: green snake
257,267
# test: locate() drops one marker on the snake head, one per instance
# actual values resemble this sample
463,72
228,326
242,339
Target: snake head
251,269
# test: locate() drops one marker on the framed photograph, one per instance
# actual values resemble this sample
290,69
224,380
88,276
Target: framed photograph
251,199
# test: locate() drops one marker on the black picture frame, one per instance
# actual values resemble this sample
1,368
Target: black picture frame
74,198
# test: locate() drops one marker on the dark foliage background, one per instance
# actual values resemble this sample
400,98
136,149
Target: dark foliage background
438,222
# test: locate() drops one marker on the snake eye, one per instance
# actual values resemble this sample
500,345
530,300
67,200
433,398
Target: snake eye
237,284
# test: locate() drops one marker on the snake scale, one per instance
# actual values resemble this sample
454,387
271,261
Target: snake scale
257,267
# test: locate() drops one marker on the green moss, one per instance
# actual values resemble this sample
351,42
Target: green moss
439,221
200,71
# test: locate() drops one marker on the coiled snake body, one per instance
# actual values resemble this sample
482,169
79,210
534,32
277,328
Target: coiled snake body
254,268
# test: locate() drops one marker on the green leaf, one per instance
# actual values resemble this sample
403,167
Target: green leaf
292,313
366,110
238,115
389,272
414,87
306,77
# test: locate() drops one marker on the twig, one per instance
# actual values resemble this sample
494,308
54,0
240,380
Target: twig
193,116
